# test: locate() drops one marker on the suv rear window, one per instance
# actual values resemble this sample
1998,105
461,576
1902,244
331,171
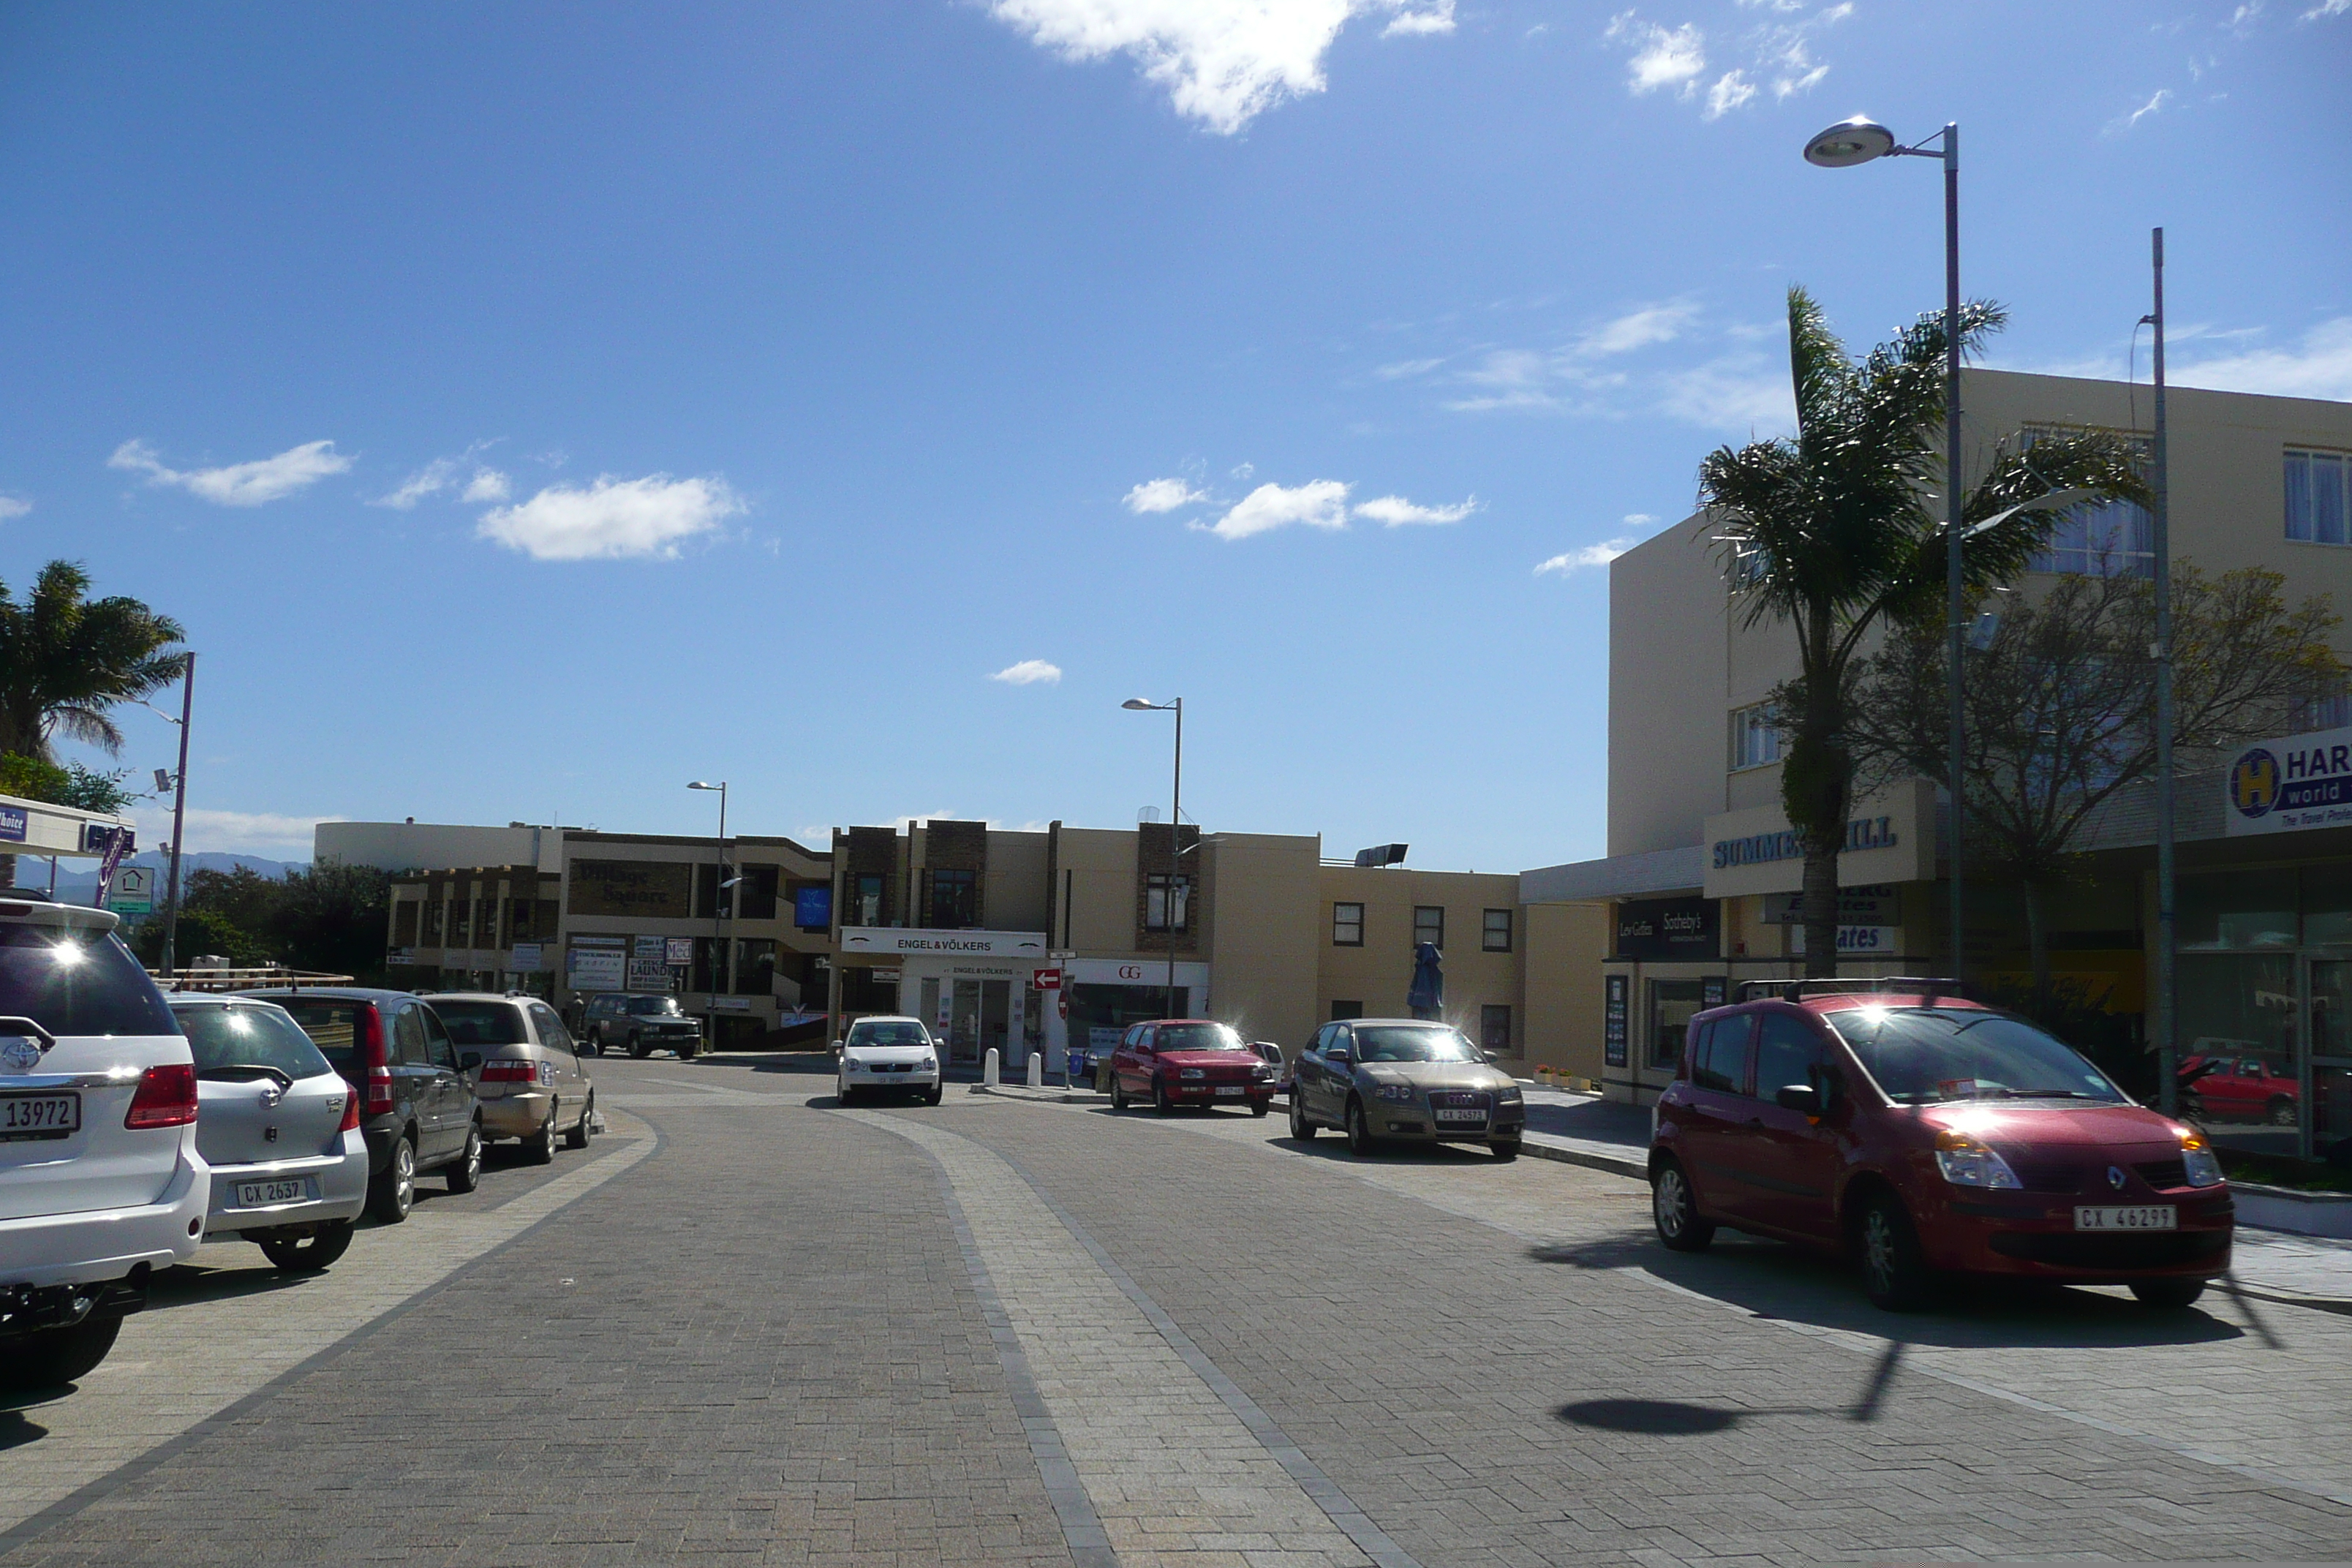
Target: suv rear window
482,1022
74,981
226,1038
334,1027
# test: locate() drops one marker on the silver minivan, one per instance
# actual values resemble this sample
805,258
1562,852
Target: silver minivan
280,1129
529,1079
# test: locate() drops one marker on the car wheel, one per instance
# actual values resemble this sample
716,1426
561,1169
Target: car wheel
1894,1268
844,1094
1504,1148
2281,1112
465,1175
578,1137
595,1044
392,1192
637,1047
1159,1101
1300,1127
931,1095
685,1052
539,1149
1674,1209
309,1254
1260,1107
2167,1295
1360,1130
1118,1095
58,1355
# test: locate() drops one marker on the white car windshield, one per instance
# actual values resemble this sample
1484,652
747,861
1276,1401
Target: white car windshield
887,1035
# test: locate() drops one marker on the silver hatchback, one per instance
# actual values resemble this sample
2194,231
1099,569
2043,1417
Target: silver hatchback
280,1129
529,1080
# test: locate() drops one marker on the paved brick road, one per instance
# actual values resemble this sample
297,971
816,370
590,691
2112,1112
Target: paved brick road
997,1332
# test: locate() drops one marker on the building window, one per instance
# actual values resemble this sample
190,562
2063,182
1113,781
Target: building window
1494,1031
955,900
1347,925
1155,902
1495,936
1428,925
1755,737
866,900
1343,1010
2318,508
2102,538
2320,713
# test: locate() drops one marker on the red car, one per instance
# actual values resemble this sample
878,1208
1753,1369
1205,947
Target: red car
1188,1062
1925,1136
2239,1088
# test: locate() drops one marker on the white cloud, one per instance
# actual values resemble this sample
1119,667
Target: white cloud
1737,392
2327,8
610,519
1404,368
1662,56
270,833
1600,554
1222,62
487,485
238,484
1029,672
1395,511
1731,89
1320,503
2321,366
2124,122
1161,495
1639,329
11,507
430,479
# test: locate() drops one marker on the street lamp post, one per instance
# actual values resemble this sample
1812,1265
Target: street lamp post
1858,141
179,813
2161,1004
1175,828
718,886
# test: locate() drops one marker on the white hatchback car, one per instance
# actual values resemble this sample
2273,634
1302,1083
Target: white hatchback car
888,1056
102,1182
280,1130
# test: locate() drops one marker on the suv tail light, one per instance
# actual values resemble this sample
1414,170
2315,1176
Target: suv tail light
511,1071
167,1096
377,1061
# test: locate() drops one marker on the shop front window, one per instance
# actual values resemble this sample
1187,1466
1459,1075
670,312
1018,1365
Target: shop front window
1671,1004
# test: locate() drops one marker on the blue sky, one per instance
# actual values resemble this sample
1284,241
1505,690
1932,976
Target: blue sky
529,408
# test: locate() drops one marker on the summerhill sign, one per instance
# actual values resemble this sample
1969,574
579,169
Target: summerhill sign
1890,838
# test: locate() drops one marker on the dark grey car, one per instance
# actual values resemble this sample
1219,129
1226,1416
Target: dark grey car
1405,1079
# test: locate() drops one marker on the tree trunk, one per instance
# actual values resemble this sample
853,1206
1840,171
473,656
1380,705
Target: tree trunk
1820,907
2037,944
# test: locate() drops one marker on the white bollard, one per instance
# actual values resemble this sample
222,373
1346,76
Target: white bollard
987,1069
1036,1069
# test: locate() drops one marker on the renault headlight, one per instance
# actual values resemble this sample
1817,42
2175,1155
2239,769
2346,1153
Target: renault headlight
1966,1162
2204,1165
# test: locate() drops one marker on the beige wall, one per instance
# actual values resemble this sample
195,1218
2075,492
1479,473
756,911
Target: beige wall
1379,974
1566,944
1099,868
1666,656
1262,936
1016,898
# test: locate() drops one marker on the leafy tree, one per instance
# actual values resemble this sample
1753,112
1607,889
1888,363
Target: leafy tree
67,660
330,919
202,930
1839,533
2061,707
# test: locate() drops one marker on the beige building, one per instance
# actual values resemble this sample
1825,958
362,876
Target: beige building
1698,887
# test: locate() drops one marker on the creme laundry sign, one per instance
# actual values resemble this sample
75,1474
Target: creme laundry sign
1890,838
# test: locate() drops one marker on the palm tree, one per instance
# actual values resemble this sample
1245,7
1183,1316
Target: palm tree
1836,533
66,659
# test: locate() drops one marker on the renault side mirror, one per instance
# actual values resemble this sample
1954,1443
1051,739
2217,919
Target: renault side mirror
1801,1097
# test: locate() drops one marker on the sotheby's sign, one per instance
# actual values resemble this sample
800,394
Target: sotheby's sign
2302,781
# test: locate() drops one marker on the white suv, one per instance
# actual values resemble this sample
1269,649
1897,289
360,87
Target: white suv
100,1184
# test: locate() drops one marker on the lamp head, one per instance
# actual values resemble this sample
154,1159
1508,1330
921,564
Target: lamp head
699,784
1139,704
1849,141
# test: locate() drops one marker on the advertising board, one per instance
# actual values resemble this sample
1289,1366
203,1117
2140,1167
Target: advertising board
597,968
2289,783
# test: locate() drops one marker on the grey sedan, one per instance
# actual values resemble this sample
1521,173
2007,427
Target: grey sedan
1405,1079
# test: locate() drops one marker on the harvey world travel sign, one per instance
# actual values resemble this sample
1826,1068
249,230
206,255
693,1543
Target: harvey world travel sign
2278,786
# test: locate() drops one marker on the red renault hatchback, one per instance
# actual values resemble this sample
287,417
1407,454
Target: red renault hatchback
1188,1062
1926,1135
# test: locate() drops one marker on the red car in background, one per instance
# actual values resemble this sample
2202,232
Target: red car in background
2239,1088
1188,1062
1926,1135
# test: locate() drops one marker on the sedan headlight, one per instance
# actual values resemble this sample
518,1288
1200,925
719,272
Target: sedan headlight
1193,1072
1508,1092
1966,1162
1263,1073
1396,1091
2204,1165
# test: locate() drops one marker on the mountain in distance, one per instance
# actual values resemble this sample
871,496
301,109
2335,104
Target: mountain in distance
78,878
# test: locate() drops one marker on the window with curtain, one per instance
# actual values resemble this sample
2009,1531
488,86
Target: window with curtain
2317,505
1755,737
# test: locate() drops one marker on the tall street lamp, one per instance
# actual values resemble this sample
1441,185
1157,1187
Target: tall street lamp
719,885
179,814
1175,828
1858,141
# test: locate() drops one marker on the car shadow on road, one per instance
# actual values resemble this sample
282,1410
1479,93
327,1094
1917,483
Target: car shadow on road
15,1431
188,1284
1770,1279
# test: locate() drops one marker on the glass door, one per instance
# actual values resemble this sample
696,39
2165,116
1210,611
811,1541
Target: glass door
2328,1013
